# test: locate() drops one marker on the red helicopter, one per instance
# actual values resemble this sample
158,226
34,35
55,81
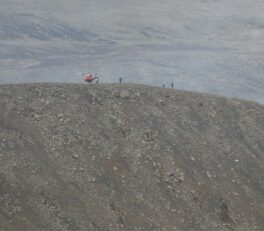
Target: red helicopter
89,78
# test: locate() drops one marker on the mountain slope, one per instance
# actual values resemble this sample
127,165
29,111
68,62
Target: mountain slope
128,157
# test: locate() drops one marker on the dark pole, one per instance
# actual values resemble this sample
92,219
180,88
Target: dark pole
172,85
120,80
163,85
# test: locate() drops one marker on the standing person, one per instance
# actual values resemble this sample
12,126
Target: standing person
96,78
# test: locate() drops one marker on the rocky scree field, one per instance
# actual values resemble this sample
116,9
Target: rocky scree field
129,157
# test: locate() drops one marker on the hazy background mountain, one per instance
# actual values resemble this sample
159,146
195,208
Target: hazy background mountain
204,45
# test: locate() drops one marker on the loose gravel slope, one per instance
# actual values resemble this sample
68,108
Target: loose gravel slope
129,157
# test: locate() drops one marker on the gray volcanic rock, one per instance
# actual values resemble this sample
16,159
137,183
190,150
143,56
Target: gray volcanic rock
129,157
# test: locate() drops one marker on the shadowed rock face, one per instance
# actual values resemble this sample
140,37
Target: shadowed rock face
129,157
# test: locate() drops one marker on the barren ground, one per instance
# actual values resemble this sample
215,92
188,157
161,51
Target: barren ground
129,157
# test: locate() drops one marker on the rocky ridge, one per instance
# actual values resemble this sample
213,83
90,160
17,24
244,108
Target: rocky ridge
129,157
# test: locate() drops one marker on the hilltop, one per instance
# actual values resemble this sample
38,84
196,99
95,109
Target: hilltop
203,45
129,157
